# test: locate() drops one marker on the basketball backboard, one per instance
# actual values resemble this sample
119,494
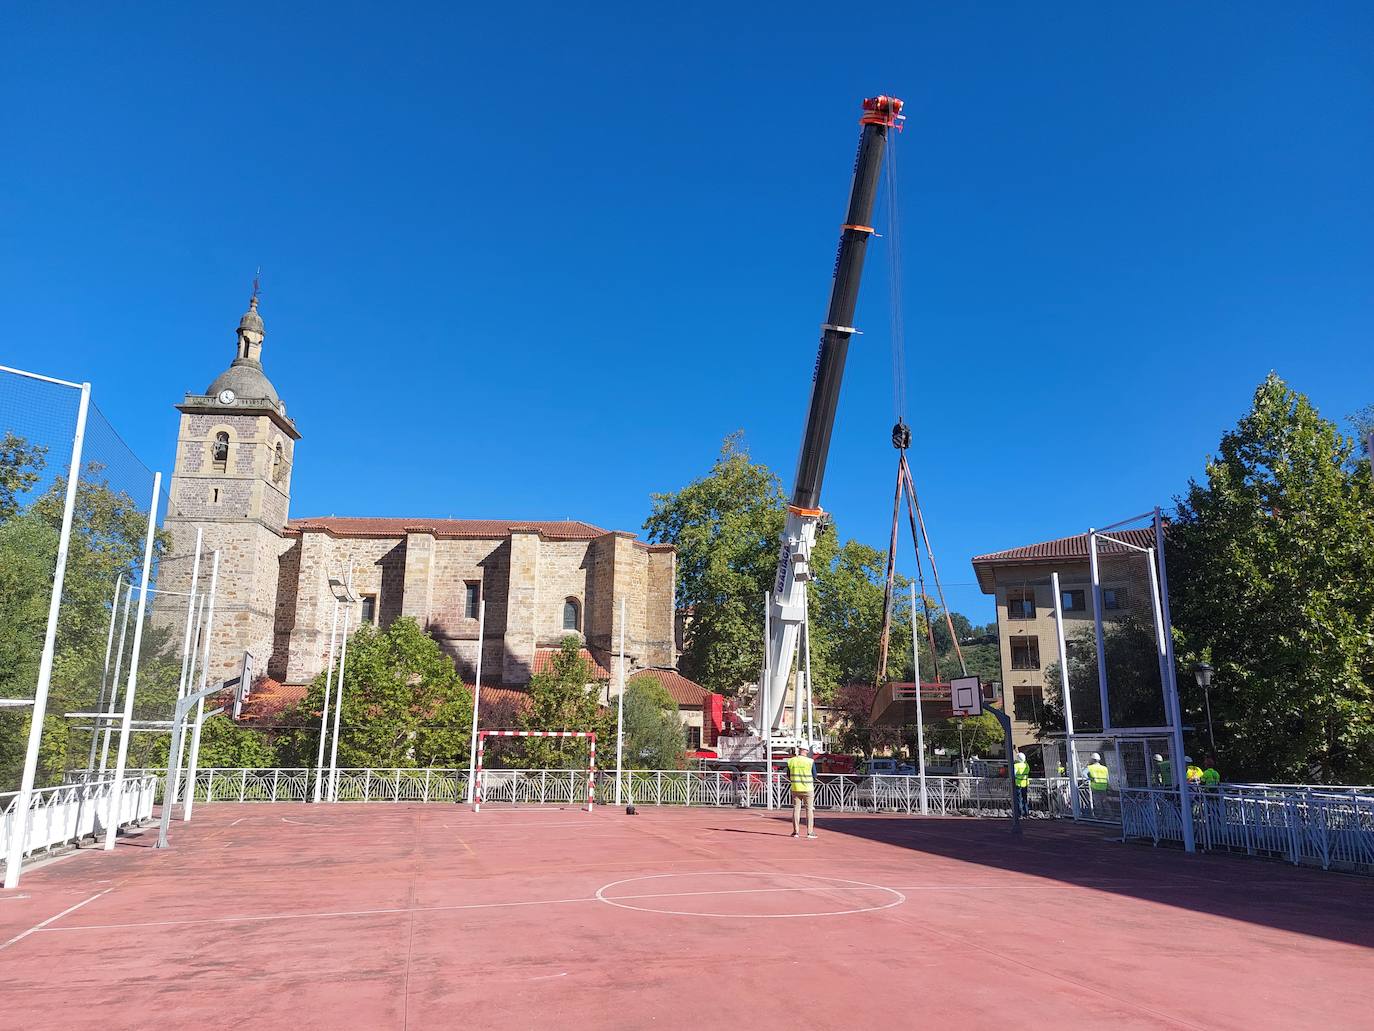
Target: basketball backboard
966,696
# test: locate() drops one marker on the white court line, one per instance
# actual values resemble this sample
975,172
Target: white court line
59,916
834,884
7,898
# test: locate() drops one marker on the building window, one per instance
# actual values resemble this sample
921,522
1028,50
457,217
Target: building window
693,738
1113,597
1074,601
369,608
219,452
1021,603
472,599
1027,701
278,464
572,615
1025,653
214,495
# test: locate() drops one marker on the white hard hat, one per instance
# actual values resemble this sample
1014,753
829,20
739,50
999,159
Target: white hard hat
1020,756
1159,758
1187,758
1097,757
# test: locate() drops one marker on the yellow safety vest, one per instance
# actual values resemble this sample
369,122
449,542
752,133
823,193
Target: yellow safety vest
1021,771
1193,773
1097,776
799,773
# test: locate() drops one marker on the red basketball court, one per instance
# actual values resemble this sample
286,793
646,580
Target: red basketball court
396,916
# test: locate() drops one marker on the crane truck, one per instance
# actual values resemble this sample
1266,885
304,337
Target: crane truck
787,599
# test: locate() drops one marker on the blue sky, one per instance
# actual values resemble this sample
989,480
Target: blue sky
536,261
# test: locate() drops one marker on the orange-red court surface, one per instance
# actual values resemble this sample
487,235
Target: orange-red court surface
428,916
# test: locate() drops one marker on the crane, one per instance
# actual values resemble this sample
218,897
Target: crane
787,599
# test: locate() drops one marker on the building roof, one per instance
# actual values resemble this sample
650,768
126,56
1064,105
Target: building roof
1070,549
680,689
477,529
544,656
517,699
267,701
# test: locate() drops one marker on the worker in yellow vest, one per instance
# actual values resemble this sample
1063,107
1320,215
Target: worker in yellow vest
1211,776
1020,772
1098,778
1192,771
801,776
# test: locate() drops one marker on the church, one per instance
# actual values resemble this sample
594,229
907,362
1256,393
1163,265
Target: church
279,577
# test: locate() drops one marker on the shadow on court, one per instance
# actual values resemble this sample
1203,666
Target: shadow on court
1324,904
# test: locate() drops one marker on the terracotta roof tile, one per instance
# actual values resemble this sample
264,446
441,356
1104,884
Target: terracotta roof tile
1075,547
544,656
267,701
679,688
475,529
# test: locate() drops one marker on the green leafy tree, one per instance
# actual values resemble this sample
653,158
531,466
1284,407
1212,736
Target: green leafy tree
223,743
404,704
561,697
653,729
967,737
21,464
1271,563
1135,694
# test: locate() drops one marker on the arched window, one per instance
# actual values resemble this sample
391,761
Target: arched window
278,464
572,615
219,452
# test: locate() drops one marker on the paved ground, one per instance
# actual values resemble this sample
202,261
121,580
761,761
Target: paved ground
387,916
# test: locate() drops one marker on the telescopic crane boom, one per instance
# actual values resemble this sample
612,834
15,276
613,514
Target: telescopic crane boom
787,605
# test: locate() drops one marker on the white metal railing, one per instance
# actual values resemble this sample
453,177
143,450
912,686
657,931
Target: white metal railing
944,796
1304,825
69,812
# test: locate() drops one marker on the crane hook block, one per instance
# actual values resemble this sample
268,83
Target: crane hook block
901,436
882,110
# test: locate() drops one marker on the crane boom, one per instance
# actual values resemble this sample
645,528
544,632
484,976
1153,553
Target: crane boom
787,604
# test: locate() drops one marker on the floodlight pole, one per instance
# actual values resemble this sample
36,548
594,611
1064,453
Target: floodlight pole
114,682
112,824
1175,711
620,711
1097,627
1064,692
207,628
476,692
328,692
920,717
338,701
105,671
765,689
19,829
187,638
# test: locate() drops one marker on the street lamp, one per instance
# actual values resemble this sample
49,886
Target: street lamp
1203,672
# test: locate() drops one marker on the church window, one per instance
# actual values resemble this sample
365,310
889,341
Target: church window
369,608
278,464
472,597
219,452
572,615
214,495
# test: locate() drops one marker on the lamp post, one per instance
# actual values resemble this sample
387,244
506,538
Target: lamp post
1203,672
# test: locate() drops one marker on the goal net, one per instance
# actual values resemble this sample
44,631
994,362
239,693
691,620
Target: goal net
535,787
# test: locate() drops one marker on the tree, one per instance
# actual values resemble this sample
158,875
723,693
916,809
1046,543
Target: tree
1137,700
223,743
653,729
560,699
404,704
967,736
1271,563
21,464
856,732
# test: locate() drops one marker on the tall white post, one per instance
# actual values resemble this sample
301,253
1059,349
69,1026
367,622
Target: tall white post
765,689
477,692
920,716
620,711
1097,626
112,822
1160,647
114,682
207,630
1069,741
1185,793
105,672
338,700
187,639
19,829
189,676
324,711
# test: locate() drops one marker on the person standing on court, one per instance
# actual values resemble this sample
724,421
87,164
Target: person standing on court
801,776
1021,772
1098,778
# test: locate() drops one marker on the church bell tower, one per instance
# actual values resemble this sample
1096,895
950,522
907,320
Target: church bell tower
232,481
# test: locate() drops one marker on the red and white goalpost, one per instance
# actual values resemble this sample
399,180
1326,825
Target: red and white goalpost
482,736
